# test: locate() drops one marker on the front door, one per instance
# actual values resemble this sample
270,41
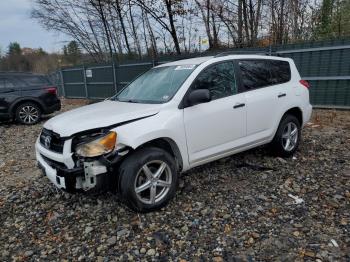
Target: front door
213,128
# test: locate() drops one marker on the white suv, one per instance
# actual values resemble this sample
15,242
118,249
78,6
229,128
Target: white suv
174,117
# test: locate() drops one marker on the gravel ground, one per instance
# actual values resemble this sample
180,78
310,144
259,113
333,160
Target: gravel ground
236,209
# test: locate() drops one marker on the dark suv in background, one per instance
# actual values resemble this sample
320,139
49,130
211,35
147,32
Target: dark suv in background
25,97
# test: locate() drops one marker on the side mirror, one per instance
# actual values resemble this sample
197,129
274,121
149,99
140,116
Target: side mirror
198,96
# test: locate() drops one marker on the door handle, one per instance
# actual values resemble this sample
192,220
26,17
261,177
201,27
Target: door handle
239,105
281,95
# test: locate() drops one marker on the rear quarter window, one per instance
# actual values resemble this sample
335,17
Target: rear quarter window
258,73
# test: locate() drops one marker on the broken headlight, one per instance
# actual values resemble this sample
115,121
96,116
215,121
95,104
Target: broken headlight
100,146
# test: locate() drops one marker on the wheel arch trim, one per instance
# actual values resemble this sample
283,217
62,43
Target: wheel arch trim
25,100
290,109
167,144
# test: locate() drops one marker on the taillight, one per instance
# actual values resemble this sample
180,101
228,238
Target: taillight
305,83
51,90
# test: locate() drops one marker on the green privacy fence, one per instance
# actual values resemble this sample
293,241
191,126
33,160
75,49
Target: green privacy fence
97,81
326,65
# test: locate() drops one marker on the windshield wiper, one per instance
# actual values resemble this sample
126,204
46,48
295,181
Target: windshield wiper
128,100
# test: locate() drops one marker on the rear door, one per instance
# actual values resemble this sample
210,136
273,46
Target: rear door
266,92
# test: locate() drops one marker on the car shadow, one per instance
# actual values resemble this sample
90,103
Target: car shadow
11,122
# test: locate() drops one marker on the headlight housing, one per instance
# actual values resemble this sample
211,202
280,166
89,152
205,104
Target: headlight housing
100,146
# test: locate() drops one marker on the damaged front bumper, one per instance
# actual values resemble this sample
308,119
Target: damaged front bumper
91,175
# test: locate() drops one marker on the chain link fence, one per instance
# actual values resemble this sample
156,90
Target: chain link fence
326,65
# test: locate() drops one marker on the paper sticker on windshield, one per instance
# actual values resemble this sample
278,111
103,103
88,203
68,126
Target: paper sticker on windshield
185,67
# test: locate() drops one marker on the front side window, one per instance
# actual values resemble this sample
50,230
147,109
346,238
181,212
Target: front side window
219,79
158,85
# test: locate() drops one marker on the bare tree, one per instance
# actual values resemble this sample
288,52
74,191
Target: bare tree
208,17
107,29
163,12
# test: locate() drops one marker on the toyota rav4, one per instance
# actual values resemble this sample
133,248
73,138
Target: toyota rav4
174,117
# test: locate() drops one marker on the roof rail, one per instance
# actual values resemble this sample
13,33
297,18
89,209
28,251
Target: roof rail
15,72
242,53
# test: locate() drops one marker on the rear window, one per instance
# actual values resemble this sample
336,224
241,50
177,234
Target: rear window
35,80
261,73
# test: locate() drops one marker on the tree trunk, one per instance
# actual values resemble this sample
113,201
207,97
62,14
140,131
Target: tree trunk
137,42
153,40
281,23
168,4
119,12
104,22
215,32
206,20
144,31
245,20
240,24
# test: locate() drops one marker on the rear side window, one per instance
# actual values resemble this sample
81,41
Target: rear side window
35,80
255,73
261,73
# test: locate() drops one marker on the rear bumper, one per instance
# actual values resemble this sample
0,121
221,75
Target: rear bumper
53,108
307,114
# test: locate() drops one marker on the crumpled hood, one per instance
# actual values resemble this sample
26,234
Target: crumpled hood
98,115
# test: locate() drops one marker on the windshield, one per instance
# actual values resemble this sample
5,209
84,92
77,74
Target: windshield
158,85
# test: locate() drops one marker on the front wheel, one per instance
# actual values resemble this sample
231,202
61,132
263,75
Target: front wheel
287,138
148,179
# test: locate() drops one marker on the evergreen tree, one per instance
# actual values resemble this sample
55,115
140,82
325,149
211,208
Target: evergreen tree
333,19
72,52
14,49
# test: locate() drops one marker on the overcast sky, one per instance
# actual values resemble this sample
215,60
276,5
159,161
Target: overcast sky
17,26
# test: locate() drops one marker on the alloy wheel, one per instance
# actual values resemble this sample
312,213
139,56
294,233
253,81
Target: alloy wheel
153,182
29,114
290,136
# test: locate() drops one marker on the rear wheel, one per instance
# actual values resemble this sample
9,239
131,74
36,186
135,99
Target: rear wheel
28,113
148,179
287,138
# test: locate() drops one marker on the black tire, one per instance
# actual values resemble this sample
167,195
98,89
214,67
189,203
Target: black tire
28,113
278,144
131,173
